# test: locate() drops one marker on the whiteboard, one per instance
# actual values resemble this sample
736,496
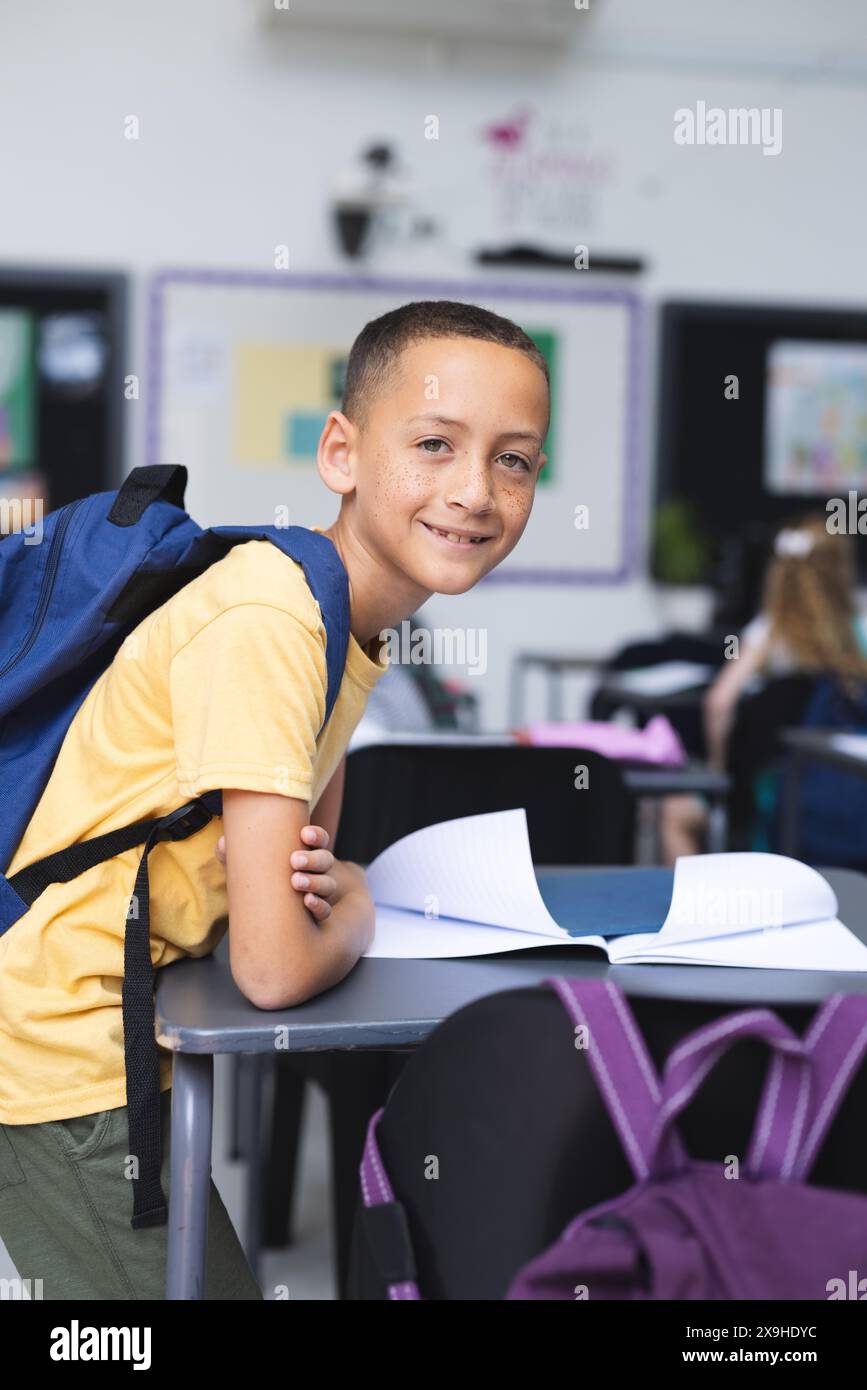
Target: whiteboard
244,367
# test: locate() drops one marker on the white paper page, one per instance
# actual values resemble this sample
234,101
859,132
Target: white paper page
476,869
667,678
856,744
716,895
403,935
811,946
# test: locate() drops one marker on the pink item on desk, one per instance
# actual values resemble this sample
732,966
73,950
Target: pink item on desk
656,743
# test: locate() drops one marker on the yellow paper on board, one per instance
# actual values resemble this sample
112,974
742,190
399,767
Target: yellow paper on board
274,383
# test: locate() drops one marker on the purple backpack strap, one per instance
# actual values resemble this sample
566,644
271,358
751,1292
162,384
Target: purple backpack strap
783,1109
837,1044
385,1220
625,1074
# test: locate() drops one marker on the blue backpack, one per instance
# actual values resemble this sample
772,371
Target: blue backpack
66,605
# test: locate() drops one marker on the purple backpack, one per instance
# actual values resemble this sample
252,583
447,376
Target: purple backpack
746,1227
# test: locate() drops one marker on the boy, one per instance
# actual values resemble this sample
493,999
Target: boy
435,455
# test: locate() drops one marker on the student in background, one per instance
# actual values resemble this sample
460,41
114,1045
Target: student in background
809,624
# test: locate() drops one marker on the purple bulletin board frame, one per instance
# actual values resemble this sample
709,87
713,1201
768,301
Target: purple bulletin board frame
412,288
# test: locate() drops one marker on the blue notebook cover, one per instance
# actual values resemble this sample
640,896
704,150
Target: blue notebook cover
610,903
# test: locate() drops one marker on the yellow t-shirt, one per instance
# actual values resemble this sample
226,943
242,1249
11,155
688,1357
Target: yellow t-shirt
222,686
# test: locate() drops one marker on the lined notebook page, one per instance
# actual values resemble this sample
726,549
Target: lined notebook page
808,946
405,935
748,890
475,868
748,909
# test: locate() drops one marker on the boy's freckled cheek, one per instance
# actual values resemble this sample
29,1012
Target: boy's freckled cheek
399,481
517,502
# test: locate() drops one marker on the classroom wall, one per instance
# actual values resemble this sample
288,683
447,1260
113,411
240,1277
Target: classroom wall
241,132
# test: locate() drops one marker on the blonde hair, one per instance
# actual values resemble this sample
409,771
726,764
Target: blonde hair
810,601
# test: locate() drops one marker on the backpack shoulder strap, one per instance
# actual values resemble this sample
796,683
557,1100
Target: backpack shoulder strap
326,577
837,1045
65,864
622,1066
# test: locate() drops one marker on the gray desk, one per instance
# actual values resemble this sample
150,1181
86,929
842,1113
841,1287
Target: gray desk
397,1004
807,745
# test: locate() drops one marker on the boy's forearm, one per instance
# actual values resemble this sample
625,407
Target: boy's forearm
332,949
326,812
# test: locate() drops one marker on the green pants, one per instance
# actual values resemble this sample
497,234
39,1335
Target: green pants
65,1210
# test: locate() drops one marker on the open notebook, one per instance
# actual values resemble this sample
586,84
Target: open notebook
467,887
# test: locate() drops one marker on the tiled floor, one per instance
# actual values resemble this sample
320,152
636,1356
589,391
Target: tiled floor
304,1271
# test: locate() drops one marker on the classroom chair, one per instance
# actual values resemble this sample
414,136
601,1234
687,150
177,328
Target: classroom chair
755,757
821,809
391,790
511,1177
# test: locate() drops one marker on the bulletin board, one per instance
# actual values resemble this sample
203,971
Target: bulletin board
243,369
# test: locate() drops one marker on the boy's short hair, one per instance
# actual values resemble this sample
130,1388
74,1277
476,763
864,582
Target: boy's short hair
378,346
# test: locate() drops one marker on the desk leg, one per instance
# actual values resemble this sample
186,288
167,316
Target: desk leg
555,694
717,827
192,1121
235,1093
791,805
646,846
516,694
254,1074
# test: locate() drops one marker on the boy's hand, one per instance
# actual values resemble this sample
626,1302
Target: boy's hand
322,879
313,874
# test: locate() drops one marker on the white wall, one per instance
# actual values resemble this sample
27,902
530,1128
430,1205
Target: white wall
242,130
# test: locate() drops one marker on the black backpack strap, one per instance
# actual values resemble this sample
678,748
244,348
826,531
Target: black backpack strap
156,481
68,863
141,1055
